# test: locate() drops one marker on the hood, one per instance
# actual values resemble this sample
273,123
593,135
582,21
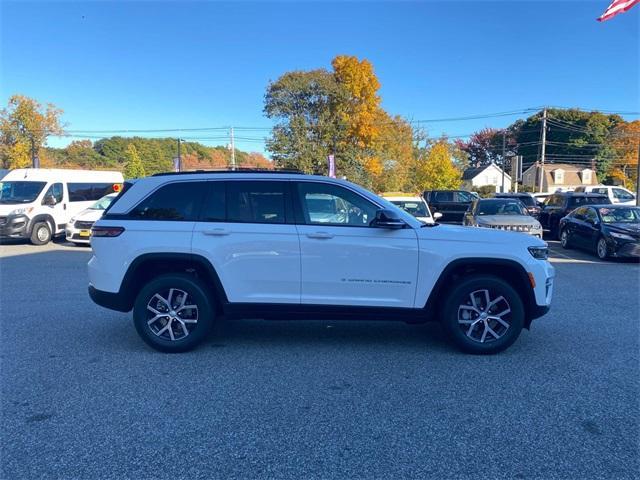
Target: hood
7,208
89,215
480,236
632,228
506,220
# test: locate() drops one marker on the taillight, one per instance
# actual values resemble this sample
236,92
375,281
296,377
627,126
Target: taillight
106,231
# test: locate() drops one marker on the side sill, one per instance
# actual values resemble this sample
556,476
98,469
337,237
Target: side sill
285,311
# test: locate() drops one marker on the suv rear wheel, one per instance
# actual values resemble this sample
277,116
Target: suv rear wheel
483,315
173,313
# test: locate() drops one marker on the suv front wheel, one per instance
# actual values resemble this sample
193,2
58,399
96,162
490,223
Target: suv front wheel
483,315
173,313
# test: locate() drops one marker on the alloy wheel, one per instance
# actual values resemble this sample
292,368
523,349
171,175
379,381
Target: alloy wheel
172,315
564,239
484,317
602,248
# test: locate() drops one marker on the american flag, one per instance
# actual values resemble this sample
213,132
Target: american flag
618,6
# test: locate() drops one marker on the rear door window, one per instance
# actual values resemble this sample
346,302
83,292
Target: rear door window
256,201
443,197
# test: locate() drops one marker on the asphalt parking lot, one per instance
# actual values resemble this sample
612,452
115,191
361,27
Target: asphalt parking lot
84,398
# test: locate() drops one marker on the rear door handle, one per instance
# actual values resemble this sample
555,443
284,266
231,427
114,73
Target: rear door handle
216,231
320,235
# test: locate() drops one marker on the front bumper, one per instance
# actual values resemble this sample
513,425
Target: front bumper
626,249
14,226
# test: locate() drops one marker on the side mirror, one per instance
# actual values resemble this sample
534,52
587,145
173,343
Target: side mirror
387,219
49,200
437,216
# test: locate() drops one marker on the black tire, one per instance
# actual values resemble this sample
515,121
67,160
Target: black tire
565,240
555,231
41,233
460,296
196,331
602,251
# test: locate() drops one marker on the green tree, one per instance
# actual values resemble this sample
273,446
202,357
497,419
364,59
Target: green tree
573,136
305,106
437,170
133,168
25,125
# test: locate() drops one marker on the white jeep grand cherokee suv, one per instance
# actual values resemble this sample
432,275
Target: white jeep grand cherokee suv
183,250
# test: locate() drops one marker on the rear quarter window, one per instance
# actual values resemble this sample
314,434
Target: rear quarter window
178,201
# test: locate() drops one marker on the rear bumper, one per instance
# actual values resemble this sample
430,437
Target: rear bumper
110,300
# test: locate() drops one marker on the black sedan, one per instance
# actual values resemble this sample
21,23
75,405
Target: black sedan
607,230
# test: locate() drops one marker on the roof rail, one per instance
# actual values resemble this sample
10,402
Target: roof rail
236,170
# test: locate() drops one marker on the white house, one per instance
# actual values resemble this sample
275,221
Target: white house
474,177
558,176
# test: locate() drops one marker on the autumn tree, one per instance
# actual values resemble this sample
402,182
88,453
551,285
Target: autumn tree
437,169
133,167
25,125
623,148
485,146
361,112
339,112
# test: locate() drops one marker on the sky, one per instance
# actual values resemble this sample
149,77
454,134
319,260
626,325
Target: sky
164,65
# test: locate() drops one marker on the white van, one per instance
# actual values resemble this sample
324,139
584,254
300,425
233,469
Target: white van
37,203
617,195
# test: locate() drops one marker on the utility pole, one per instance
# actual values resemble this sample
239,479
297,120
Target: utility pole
233,152
179,155
504,158
544,146
638,177
35,160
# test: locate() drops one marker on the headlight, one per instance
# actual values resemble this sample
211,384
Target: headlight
621,236
21,211
540,253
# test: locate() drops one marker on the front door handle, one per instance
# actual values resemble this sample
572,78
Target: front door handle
322,235
216,231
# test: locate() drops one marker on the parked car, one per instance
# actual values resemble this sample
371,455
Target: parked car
540,198
607,230
184,249
502,214
78,229
562,203
414,205
452,204
529,202
37,203
618,195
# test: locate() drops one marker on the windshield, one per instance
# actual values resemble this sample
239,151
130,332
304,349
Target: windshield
493,207
576,201
103,203
20,192
414,207
620,215
527,200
